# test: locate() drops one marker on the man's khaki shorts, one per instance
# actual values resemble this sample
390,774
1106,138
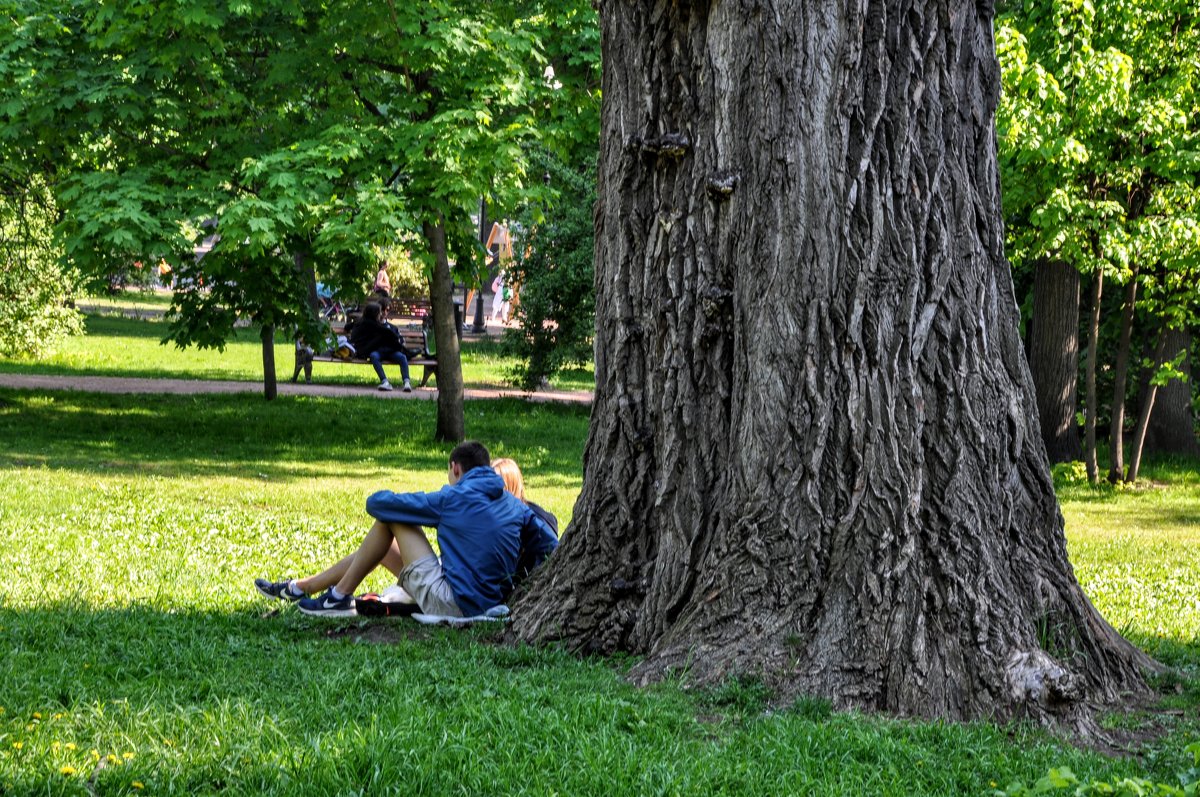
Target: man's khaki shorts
425,581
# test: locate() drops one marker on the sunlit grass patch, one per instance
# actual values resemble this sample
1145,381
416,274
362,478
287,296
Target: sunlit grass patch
118,342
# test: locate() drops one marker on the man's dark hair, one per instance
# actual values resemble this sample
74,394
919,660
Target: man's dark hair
471,454
370,311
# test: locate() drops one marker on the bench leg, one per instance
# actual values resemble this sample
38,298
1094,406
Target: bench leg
430,370
303,362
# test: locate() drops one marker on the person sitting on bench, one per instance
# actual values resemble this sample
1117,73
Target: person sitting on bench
480,526
377,341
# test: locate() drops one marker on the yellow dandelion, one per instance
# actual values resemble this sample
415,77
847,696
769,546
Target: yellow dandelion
67,770
18,745
168,743
37,715
70,745
127,756
137,784
54,746
95,754
112,759
29,727
992,783
2,711
59,715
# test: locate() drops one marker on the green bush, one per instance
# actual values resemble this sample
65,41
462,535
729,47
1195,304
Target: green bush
1063,780
554,267
407,273
1067,473
34,289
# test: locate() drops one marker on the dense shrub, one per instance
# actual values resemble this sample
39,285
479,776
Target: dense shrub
35,289
555,271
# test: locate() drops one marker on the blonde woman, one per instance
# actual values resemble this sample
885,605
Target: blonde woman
538,540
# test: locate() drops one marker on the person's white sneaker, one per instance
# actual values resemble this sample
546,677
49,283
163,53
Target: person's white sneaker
407,386
385,385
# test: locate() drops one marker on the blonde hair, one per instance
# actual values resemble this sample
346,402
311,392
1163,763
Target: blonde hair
513,481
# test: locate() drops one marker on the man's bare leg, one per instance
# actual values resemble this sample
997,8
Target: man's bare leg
410,542
332,575
370,554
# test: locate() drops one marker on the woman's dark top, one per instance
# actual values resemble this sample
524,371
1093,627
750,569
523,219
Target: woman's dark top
548,518
370,336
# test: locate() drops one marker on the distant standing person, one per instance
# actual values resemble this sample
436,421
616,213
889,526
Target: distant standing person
500,298
380,342
383,284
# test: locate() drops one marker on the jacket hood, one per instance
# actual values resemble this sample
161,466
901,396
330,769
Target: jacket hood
483,480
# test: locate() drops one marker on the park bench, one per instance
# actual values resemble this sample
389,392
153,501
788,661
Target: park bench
415,333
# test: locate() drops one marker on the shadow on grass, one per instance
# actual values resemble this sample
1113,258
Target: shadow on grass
150,328
248,699
291,437
251,702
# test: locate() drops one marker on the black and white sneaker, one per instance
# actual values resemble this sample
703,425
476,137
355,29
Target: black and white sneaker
328,606
281,590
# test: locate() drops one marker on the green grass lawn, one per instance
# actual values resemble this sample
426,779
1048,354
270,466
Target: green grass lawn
131,301
119,344
137,657
1137,553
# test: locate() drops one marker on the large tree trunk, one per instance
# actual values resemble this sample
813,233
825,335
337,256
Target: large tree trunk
1054,356
1173,423
814,453
450,424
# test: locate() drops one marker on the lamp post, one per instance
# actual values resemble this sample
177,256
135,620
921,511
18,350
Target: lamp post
477,325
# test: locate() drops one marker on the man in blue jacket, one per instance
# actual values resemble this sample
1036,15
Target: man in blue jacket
479,527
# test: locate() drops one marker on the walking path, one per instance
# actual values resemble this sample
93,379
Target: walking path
122,384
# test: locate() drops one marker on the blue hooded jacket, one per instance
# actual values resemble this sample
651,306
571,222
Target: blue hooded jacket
478,531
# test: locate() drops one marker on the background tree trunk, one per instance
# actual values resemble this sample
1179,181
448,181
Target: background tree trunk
450,425
814,453
1116,432
1147,407
1089,423
1054,357
270,383
1173,422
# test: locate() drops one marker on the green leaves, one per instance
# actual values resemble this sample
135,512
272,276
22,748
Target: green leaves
302,135
1099,136
34,317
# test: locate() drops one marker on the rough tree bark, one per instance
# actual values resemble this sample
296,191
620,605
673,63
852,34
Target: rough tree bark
814,452
1173,423
1054,357
450,425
